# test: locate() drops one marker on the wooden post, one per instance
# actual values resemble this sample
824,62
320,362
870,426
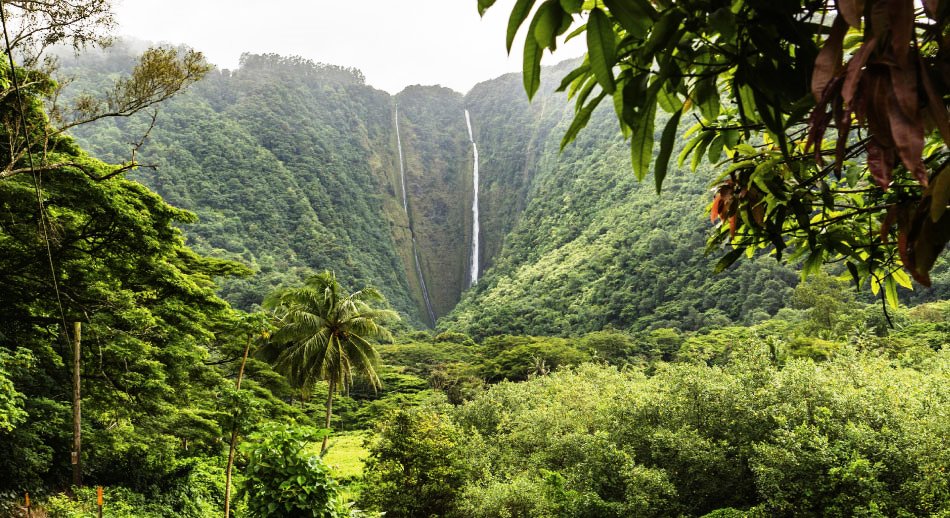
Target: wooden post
234,437
29,510
99,499
77,410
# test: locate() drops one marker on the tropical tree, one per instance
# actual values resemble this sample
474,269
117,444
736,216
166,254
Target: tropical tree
767,82
326,334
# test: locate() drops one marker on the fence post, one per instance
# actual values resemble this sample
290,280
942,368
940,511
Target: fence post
99,499
29,511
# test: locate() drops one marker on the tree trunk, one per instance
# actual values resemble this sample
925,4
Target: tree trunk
323,449
77,407
234,436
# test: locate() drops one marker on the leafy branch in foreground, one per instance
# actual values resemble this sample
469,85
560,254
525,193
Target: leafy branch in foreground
766,82
160,73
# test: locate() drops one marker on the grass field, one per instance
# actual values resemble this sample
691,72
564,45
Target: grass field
346,455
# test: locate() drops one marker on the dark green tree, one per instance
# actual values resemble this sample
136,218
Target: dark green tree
326,334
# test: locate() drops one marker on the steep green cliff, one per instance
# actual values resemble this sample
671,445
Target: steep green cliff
577,244
294,166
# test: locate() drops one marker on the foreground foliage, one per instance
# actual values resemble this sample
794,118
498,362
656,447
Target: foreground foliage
874,195
283,478
857,435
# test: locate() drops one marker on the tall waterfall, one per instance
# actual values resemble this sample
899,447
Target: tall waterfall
412,233
471,137
402,168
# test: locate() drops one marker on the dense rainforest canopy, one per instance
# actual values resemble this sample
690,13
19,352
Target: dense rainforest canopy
598,367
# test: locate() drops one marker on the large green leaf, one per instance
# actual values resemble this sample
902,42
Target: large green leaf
602,49
546,23
641,145
581,119
519,13
666,149
531,66
631,16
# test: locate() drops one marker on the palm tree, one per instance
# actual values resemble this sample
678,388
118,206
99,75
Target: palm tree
325,334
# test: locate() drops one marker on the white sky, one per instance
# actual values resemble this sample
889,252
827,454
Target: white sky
394,42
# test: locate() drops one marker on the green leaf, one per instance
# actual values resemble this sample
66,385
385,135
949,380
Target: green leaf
483,6
813,263
670,102
890,291
854,274
531,66
664,33
666,149
631,16
576,32
641,145
519,13
706,97
574,74
546,23
715,149
572,6
602,49
701,149
728,259
940,192
580,120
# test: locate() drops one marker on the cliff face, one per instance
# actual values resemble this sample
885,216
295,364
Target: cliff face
294,167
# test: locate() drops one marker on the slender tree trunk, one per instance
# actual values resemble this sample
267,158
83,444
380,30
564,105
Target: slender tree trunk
77,407
234,436
323,449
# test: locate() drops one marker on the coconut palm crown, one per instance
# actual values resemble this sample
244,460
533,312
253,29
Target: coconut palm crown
326,334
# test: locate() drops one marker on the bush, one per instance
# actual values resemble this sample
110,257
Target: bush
417,465
284,478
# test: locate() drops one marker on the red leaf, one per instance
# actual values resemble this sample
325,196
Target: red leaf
817,125
855,69
931,7
903,237
887,224
902,29
936,107
908,136
904,82
828,62
843,122
879,165
852,11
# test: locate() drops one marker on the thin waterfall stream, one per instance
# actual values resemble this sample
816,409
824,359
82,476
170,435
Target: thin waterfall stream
471,137
412,233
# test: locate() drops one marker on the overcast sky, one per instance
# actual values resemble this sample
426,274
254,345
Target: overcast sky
394,42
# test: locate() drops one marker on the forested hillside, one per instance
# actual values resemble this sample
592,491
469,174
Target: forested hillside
593,247
290,166
294,167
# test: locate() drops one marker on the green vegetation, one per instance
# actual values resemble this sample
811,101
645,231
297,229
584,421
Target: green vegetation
744,67
599,368
324,334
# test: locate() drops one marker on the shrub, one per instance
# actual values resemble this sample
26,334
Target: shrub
284,478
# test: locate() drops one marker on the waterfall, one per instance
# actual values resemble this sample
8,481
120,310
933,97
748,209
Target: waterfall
412,233
471,137
402,168
422,280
